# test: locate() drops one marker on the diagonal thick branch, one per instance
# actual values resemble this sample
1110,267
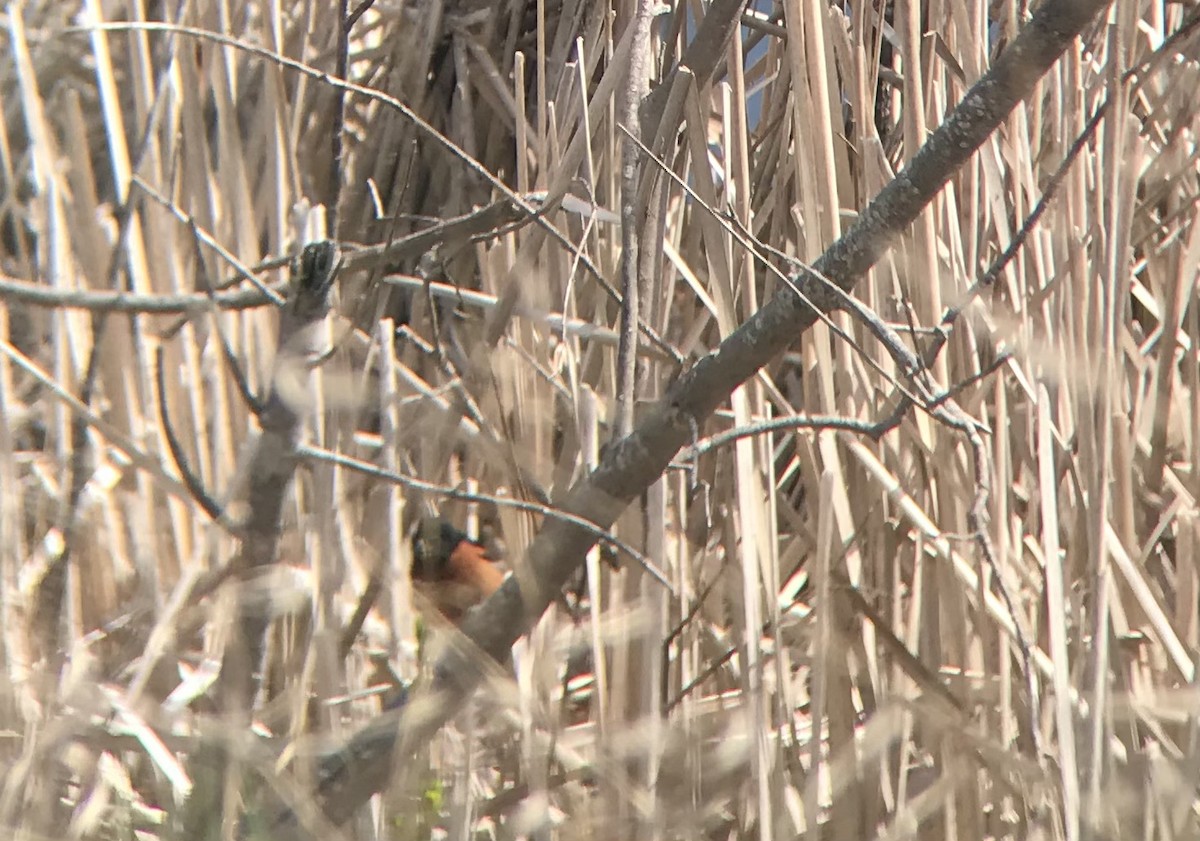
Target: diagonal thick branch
349,777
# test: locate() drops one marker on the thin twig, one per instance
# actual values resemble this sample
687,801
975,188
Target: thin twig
190,480
450,492
130,303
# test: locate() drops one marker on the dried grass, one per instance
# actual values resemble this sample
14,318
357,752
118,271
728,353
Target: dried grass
834,655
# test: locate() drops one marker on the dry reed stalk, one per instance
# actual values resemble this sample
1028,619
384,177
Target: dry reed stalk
1024,679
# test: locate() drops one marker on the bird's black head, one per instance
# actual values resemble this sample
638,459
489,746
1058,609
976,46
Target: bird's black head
433,542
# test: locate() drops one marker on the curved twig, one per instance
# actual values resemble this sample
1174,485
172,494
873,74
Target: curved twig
190,480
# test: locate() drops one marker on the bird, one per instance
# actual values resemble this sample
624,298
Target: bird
452,570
